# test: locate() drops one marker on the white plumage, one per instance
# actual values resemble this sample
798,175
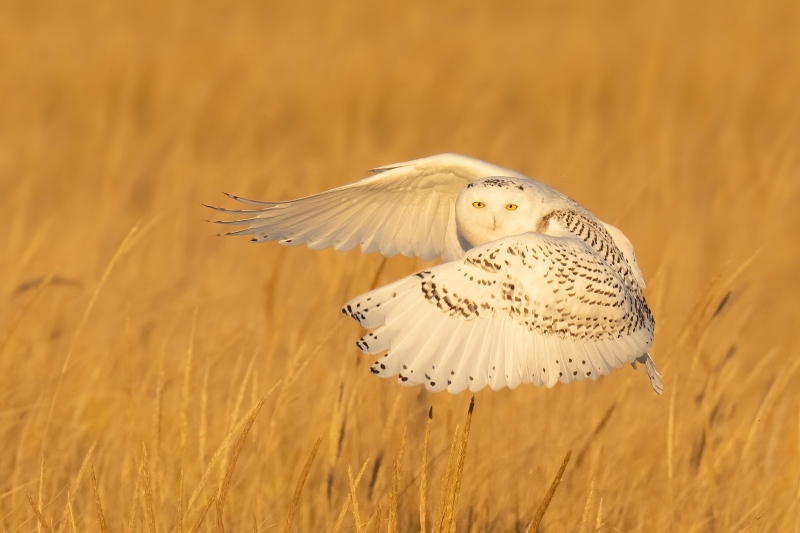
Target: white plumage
533,288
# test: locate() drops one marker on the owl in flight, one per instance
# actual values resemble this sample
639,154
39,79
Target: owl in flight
533,288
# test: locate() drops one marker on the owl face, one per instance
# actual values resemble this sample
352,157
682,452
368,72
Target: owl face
492,208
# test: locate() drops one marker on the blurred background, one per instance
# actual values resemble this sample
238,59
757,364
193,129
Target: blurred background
136,347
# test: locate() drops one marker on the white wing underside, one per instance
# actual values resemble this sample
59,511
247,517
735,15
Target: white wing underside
406,208
506,314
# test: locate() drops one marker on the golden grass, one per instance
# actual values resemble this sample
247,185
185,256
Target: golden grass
423,475
42,523
299,488
548,497
100,515
396,473
125,325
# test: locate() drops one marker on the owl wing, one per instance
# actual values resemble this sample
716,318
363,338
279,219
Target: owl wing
530,308
626,248
608,241
406,208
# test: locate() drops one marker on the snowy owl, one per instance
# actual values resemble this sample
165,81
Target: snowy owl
533,288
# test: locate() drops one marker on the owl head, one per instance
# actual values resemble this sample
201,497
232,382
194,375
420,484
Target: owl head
492,208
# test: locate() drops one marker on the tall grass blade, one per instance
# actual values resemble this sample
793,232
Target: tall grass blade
203,513
98,506
548,497
148,493
299,487
423,474
452,504
75,484
398,462
354,500
40,520
229,439
349,497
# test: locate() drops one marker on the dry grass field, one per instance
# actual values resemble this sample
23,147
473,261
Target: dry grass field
153,375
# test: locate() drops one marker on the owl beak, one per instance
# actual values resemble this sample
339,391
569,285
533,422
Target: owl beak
494,222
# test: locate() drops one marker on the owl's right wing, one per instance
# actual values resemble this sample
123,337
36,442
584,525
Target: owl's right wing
626,248
529,308
406,208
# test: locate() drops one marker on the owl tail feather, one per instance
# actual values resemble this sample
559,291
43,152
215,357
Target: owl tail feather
652,372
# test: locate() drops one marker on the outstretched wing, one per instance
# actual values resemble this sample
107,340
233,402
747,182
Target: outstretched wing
406,208
530,308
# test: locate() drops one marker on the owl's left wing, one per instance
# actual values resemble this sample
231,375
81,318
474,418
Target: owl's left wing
406,208
529,308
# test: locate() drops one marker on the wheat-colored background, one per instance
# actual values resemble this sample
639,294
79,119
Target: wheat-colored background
125,325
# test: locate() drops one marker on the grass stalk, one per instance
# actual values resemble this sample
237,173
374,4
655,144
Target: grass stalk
187,374
203,513
179,525
148,493
452,509
587,508
548,497
229,439
98,506
135,498
354,500
75,484
41,523
223,491
299,487
349,498
423,474
398,462
440,516
41,491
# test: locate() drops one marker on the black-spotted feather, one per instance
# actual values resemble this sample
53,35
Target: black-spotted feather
483,315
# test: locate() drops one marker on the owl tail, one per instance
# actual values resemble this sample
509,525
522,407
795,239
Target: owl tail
652,372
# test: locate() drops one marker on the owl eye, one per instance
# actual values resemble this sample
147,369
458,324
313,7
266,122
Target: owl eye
478,204
511,207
